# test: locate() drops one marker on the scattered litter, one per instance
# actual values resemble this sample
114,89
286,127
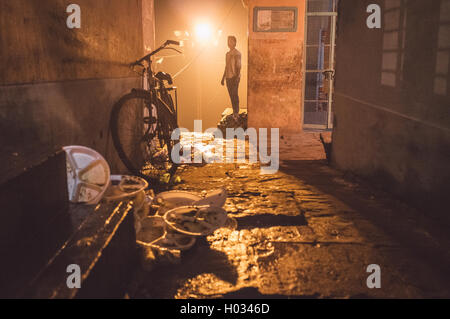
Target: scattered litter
131,188
175,241
169,200
155,234
200,148
215,198
196,221
125,187
229,121
181,217
172,199
159,244
88,175
153,228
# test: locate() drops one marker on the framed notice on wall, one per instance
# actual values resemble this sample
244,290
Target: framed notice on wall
275,19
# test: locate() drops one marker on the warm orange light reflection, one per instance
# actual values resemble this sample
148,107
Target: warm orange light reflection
203,32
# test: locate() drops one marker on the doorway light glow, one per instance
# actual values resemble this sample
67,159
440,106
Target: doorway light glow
203,32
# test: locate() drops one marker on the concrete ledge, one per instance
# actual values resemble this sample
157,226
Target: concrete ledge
34,220
41,234
104,246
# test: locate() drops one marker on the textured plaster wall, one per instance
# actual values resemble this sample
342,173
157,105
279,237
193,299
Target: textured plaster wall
275,72
392,119
57,85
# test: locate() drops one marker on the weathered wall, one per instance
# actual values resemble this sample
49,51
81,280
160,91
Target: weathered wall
148,24
275,72
392,119
57,85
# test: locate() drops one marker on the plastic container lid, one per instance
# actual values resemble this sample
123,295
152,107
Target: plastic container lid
88,175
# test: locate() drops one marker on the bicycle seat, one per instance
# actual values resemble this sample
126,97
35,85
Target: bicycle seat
162,76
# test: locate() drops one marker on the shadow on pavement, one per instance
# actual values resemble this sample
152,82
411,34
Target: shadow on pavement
165,280
423,238
269,220
253,293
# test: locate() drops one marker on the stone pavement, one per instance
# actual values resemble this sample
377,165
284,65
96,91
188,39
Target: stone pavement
308,231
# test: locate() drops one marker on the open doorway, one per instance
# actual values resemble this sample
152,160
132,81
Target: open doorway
319,69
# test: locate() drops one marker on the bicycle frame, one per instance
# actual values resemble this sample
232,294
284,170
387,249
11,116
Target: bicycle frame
155,84
147,145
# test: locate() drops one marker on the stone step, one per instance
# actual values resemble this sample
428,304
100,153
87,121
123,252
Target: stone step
103,247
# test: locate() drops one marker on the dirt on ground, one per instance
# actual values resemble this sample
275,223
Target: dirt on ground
308,231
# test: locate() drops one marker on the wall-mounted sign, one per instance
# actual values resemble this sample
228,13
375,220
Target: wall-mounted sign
275,19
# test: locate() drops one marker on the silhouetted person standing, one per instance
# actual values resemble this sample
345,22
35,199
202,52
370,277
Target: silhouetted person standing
232,74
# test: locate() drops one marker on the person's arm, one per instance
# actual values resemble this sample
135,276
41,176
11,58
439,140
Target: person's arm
225,71
238,65
223,77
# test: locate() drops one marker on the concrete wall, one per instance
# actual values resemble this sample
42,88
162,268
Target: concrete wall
57,85
275,67
392,119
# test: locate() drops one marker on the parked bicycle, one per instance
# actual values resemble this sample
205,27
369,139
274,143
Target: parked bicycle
142,121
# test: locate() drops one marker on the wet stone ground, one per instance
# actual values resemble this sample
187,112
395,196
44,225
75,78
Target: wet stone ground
307,231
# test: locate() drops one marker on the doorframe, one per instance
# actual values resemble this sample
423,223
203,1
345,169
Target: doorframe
333,15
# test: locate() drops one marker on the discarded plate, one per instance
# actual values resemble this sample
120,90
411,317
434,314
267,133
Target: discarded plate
175,241
196,221
215,198
152,228
154,234
88,175
125,187
173,199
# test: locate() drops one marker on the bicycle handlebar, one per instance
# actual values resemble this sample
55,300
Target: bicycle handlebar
162,47
168,42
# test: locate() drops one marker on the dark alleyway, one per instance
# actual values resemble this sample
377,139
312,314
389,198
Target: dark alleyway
92,92
307,231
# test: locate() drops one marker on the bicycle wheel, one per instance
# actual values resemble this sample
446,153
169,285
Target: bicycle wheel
141,132
167,124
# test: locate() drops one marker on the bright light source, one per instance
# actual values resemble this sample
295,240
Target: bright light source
203,31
